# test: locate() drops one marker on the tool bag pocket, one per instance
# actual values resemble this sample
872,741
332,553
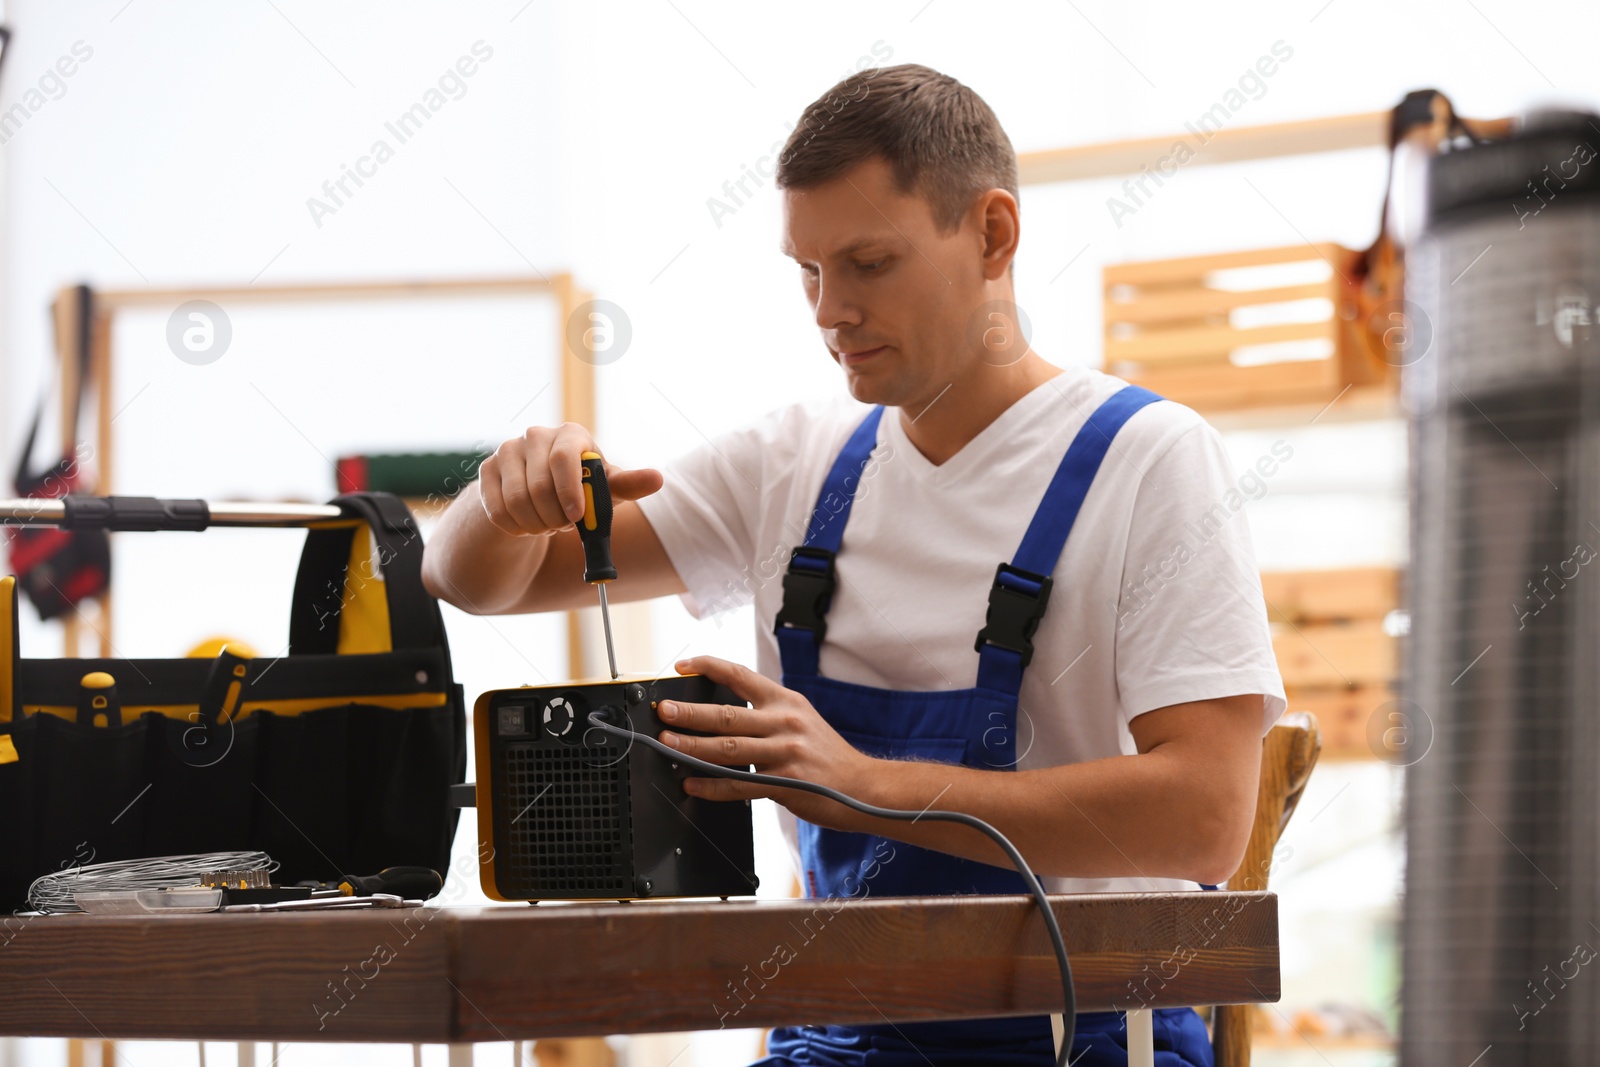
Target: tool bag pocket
335,758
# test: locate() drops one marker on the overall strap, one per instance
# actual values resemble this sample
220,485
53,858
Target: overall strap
809,582
1021,588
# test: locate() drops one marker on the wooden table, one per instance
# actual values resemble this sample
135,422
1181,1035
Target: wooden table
517,972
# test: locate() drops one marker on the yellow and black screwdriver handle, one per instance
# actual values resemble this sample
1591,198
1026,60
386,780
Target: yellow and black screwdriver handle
595,527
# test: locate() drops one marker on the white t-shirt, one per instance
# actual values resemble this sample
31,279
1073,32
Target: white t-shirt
1156,598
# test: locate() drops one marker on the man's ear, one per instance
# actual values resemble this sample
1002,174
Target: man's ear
1000,223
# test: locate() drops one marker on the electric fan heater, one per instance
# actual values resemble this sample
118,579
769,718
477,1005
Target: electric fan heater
571,812
1503,680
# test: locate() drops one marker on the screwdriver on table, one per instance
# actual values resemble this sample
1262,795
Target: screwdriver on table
405,882
594,529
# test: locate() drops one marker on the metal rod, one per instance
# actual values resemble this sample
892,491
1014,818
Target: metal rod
605,620
49,512
246,513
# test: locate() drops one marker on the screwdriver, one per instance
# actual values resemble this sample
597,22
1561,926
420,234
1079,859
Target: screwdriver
594,529
404,882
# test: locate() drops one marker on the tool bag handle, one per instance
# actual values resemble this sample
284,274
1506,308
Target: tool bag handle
414,618
148,513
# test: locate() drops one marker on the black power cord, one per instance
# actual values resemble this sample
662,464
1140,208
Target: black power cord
1069,1017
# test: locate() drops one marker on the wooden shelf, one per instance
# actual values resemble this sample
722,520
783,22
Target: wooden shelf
1238,332
1337,660
1359,403
1332,133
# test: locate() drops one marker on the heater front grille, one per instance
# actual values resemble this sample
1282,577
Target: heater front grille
568,829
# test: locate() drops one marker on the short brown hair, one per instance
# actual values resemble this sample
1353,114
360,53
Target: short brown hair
939,136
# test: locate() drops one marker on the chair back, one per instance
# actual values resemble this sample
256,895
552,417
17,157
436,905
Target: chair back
1288,754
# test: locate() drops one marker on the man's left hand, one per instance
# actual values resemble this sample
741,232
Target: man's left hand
780,733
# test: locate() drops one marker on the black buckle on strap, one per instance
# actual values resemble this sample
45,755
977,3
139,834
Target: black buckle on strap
1014,614
807,589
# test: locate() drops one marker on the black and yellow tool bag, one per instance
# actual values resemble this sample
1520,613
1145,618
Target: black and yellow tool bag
334,758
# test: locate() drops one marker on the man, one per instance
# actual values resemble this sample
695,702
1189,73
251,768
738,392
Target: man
1109,718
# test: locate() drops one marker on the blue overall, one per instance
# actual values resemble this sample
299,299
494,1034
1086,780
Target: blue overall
974,727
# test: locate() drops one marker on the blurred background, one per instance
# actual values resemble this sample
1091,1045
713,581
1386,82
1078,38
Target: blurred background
622,145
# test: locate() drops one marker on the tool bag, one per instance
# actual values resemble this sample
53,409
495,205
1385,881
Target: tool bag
334,758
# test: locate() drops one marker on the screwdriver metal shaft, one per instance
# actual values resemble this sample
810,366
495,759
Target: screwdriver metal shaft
605,620
594,530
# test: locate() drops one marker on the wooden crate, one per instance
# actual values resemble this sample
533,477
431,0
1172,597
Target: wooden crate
1335,657
1170,325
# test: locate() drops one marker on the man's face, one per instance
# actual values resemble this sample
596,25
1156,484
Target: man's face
893,297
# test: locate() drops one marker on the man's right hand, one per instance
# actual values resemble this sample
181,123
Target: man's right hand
533,483
508,542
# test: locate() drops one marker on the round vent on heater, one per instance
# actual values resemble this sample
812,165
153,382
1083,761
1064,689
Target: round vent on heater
559,717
